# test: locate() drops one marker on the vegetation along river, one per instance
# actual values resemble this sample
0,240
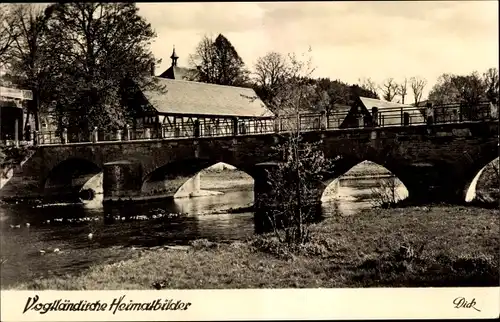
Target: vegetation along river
56,239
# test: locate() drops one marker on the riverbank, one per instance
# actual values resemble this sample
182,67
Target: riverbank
406,247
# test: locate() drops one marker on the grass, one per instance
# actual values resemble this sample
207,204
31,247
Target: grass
436,246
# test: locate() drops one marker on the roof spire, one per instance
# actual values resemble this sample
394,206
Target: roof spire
174,57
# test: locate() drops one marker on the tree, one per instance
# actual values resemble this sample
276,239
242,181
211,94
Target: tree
444,91
417,86
368,84
27,56
331,94
471,89
389,89
402,90
491,81
6,36
356,91
271,70
297,176
98,47
218,62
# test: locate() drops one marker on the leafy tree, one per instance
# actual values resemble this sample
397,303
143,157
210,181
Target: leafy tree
491,82
444,91
7,37
331,94
28,55
218,62
357,91
97,47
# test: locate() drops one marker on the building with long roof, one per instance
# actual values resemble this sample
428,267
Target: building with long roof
185,104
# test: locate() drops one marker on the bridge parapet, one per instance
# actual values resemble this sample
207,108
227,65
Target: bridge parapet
306,122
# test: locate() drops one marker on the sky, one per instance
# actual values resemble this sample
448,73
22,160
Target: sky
348,40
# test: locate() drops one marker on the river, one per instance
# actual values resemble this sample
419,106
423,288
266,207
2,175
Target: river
57,240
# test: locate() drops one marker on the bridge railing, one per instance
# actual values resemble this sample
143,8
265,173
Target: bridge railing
394,116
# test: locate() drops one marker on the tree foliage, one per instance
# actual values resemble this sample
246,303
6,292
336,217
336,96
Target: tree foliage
75,57
99,45
7,37
466,89
218,62
28,55
295,183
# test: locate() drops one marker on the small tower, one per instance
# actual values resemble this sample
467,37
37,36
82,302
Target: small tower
174,58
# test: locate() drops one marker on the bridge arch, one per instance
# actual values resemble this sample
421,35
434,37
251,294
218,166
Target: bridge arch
67,179
388,186
488,179
179,179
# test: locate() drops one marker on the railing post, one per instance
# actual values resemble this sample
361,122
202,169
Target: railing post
406,119
277,124
35,137
16,132
118,134
430,114
127,132
65,136
196,128
323,122
235,126
375,116
95,135
402,117
147,133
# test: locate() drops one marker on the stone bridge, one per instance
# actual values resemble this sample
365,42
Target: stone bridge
435,162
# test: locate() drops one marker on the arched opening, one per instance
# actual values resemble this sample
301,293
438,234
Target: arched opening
73,180
364,185
195,178
484,187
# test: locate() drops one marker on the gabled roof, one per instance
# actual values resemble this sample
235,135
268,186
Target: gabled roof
187,97
180,73
369,103
388,110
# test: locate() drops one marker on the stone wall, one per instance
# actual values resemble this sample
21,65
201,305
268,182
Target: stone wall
433,162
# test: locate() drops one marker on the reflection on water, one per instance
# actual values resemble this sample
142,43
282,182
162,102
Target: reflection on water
117,230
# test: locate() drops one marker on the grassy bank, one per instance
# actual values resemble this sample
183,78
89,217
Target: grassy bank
437,246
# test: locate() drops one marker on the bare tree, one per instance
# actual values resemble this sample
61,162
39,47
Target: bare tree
203,59
389,89
417,86
402,90
295,179
271,69
368,84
